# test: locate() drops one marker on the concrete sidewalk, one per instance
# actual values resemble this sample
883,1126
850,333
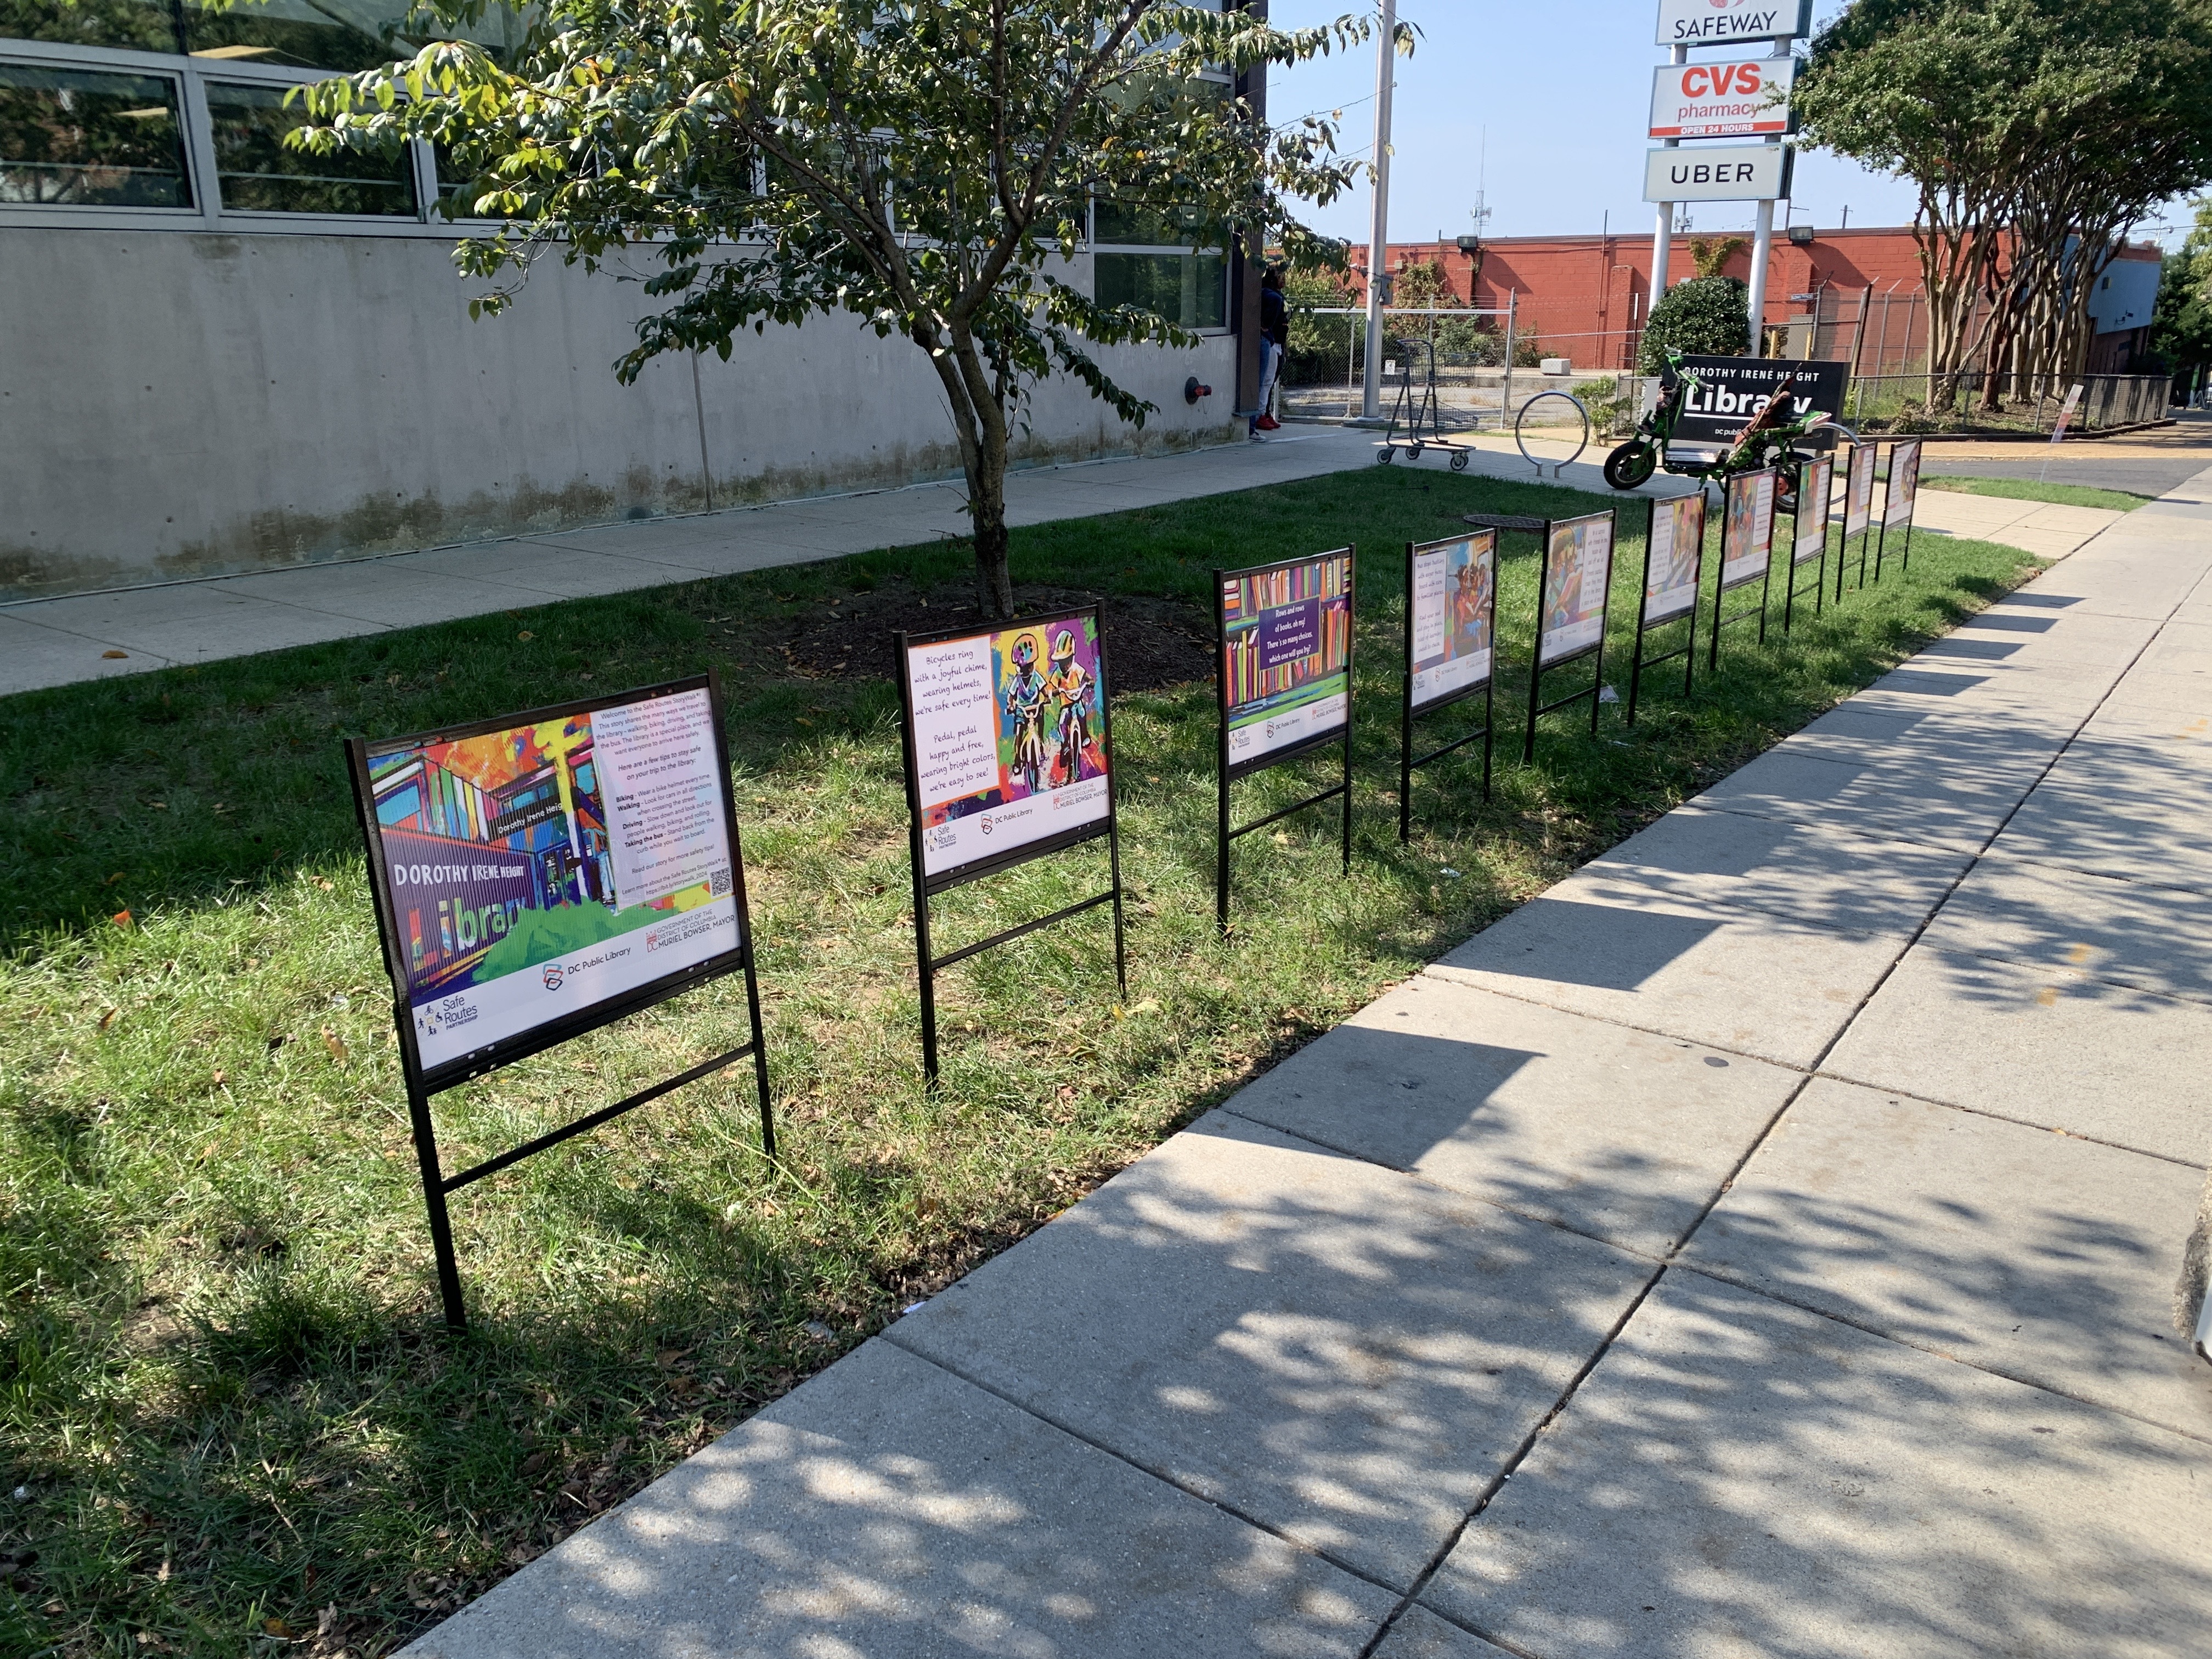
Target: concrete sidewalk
1760,1243
88,636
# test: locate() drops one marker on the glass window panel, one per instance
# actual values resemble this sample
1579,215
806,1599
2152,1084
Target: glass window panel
133,25
259,173
332,34
1190,289
1131,225
85,138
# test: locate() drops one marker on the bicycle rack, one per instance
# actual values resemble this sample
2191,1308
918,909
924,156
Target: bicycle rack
1580,408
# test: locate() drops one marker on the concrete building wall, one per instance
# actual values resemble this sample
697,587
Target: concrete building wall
178,404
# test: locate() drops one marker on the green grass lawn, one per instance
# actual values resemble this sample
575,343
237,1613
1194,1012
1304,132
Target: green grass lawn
2029,490
223,1389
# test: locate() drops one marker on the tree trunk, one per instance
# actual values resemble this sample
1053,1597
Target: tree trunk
987,512
980,426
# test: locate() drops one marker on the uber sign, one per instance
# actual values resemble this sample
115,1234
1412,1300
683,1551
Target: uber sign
1735,390
1717,172
1732,98
1722,22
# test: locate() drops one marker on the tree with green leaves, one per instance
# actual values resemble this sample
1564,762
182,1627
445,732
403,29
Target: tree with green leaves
2038,132
926,168
1704,316
2181,323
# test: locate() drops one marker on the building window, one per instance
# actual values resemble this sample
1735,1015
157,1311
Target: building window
1190,288
259,173
84,138
1166,259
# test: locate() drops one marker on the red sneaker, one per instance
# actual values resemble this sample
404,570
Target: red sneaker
1268,424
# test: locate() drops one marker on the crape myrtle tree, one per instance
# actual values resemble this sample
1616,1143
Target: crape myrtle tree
923,167
2038,134
2181,326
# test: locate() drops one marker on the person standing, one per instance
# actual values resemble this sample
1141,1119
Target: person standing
1274,340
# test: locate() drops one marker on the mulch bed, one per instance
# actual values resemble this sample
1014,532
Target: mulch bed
1150,643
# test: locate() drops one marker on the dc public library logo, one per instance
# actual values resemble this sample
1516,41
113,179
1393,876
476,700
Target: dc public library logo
552,975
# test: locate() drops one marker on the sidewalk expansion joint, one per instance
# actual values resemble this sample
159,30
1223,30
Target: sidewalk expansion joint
1722,1277
1166,1480
2002,1117
1512,1464
1451,975
2041,861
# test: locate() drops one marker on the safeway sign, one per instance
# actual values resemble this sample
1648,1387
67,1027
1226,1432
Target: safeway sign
1730,98
1725,22
1718,173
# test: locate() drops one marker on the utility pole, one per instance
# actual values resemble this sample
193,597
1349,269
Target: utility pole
1762,247
1378,238
1662,235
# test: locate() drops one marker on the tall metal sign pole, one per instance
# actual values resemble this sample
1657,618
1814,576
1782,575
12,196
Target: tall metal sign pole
1662,234
1762,249
1739,96
1378,240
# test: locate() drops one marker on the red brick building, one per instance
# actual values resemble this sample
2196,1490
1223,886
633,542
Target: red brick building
1854,295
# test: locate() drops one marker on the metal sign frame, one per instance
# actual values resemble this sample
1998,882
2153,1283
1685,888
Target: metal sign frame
929,964
1538,667
1764,578
1865,531
1227,772
1688,649
1914,448
422,1083
1826,466
1487,687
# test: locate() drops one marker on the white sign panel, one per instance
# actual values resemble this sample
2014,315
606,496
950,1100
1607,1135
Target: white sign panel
1717,172
1723,22
1722,97
1008,738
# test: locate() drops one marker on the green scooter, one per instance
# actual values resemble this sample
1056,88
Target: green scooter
1769,440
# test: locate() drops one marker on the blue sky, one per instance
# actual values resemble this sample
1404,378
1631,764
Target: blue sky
1562,88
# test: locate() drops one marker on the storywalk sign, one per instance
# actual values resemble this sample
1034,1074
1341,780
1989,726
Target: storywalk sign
1453,584
1725,98
1571,612
1897,502
1008,730
1673,567
1283,656
1809,536
1747,551
1725,22
1009,758
1451,625
540,875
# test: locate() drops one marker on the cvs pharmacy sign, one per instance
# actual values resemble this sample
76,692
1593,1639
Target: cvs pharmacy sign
1723,22
1729,98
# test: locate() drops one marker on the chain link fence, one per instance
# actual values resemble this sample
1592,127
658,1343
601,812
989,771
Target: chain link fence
1486,367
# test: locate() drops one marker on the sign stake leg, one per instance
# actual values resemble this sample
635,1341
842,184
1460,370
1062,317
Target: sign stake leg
928,977
434,1200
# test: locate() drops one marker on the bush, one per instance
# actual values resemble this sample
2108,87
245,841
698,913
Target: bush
1706,316
1612,406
